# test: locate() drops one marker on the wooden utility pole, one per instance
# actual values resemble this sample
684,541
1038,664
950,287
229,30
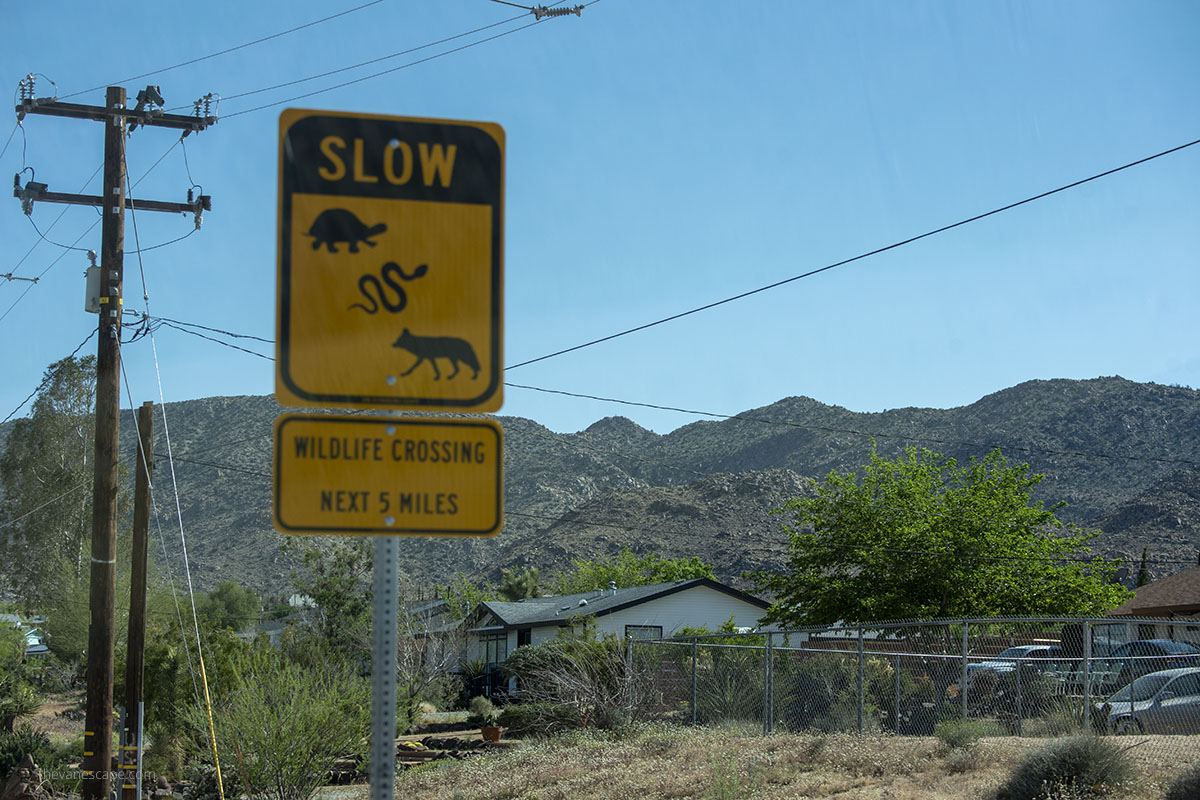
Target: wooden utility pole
97,729
98,725
135,658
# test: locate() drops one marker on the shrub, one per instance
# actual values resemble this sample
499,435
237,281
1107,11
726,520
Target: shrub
27,740
281,726
539,719
958,734
728,782
1061,720
1186,786
820,692
962,759
1086,766
586,674
482,712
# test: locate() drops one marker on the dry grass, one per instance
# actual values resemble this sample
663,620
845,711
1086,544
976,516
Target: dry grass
706,764
50,717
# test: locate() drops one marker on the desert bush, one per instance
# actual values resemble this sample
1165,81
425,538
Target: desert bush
28,740
1086,766
538,719
729,782
729,685
281,726
481,711
586,674
1186,786
820,692
962,759
1062,719
958,734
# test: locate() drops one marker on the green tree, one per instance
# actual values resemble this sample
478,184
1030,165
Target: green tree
46,473
231,606
922,536
519,583
629,569
338,579
1143,576
462,595
17,697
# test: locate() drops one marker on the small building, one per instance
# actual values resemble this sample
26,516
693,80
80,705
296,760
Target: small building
35,638
1175,598
657,611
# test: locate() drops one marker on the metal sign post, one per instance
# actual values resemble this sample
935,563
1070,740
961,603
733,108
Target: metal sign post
383,670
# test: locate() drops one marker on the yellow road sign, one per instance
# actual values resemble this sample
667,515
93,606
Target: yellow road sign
390,269
388,476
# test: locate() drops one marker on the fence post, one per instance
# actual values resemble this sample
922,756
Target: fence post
861,688
962,686
767,688
695,658
896,710
1020,707
1087,675
629,672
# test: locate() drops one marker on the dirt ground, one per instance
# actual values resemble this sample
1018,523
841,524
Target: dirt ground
61,716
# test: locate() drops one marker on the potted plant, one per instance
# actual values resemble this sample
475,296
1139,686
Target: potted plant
483,713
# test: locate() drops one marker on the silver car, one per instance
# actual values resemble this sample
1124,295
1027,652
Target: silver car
1161,702
1039,657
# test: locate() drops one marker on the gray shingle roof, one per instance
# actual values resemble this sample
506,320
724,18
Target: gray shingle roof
537,611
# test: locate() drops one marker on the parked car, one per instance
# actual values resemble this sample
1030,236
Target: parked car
1132,660
1039,657
1161,702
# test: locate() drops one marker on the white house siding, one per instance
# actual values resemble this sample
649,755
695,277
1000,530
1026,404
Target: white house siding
699,606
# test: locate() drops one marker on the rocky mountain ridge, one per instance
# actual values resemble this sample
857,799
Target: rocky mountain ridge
1124,455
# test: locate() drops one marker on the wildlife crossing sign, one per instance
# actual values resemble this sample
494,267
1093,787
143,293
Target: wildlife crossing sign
390,262
376,475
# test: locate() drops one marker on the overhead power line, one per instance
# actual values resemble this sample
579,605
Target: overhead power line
742,417
853,432
368,62
228,50
41,385
383,72
852,259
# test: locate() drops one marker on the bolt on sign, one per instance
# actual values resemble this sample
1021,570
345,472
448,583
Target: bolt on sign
388,476
390,262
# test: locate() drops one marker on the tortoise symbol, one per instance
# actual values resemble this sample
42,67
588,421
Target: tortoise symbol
335,225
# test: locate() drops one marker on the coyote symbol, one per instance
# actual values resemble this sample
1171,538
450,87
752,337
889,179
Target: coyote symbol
431,348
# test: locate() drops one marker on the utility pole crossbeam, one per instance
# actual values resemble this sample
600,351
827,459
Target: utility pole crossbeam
157,119
98,727
35,193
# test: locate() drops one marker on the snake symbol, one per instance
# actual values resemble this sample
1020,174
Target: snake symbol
390,272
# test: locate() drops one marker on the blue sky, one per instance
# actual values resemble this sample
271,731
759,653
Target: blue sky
661,156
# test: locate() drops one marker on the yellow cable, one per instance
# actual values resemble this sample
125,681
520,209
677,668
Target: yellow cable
212,731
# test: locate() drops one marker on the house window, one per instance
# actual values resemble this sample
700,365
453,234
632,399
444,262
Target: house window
1145,632
494,647
643,631
524,636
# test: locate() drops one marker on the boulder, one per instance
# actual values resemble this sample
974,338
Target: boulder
25,783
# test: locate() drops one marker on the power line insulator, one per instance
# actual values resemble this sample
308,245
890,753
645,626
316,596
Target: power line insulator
545,11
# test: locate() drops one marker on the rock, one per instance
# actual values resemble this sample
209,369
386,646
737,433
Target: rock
25,783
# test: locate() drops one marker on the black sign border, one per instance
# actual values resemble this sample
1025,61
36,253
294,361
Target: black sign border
485,187
471,533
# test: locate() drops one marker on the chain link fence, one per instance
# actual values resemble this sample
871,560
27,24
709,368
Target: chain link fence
1017,677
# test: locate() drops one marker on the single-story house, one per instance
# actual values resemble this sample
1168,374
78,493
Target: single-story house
35,638
1176,598
657,611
